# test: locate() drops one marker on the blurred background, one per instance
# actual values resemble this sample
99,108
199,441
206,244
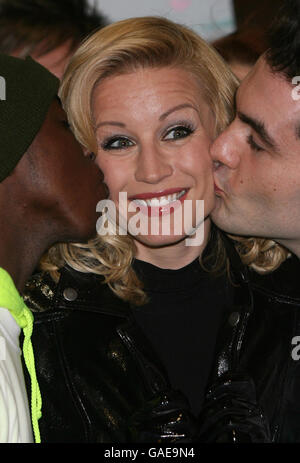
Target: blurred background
237,28
51,30
211,18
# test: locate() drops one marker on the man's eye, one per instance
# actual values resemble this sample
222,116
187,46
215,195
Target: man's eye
253,144
178,132
117,143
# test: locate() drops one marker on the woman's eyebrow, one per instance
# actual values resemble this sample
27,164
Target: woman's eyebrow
177,108
162,117
117,124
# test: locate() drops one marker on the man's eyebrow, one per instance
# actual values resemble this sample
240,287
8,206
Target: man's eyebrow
259,128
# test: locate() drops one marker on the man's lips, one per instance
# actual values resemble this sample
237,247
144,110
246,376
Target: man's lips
218,190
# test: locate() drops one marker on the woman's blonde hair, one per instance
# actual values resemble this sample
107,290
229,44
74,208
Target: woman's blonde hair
124,47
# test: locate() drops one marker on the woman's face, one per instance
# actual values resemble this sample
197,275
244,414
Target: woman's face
153,130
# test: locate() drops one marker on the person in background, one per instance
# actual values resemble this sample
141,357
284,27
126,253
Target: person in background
40,163
242,48
47,30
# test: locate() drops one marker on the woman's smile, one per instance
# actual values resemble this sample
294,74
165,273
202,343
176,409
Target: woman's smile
164,202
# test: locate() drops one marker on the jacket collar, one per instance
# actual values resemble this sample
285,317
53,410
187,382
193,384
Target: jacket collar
86,291
239,270
282,283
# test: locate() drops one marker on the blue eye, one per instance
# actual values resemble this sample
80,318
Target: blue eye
117,143
178,132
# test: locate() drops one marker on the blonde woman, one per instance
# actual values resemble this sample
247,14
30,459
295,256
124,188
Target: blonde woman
132,317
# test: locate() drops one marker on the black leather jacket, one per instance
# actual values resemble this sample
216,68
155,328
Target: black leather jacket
101,382
99,379
257,368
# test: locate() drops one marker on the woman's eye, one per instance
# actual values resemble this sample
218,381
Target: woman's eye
178,132
119,143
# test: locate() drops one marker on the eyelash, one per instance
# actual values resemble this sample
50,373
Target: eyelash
107,144
252,144
185,126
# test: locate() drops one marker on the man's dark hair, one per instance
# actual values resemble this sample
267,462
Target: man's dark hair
242,46
283,54
43,25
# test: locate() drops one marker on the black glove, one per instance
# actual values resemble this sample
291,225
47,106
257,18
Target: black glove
231,413
165,418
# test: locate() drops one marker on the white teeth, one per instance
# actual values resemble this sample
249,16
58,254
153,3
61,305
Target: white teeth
140,202
161,201
153,202
164,200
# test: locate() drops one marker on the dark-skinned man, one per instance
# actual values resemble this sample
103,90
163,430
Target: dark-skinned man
48,193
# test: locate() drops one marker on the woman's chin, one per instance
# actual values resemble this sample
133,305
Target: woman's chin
158,241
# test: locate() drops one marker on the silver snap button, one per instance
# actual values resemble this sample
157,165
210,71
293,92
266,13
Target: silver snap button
70,294
234,318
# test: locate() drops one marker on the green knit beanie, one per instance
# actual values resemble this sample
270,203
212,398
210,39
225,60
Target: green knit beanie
27,90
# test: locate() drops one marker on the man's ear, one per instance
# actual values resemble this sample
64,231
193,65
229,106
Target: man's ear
88,153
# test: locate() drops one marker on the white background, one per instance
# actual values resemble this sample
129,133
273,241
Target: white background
211,18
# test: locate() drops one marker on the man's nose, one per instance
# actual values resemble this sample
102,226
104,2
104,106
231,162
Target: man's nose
152,166
225,149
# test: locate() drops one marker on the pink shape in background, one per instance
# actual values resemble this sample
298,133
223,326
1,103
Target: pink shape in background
180,5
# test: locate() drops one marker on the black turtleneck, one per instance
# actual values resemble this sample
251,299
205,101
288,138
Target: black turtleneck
181,321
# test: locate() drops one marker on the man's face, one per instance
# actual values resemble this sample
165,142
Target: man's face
59,183
55,60
257,160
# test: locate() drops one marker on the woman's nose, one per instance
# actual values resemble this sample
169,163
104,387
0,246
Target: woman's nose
152,166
